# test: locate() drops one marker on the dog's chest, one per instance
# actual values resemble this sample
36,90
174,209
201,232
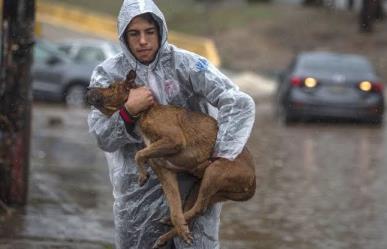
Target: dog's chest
146,139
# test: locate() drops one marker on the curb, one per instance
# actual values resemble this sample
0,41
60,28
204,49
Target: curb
257,86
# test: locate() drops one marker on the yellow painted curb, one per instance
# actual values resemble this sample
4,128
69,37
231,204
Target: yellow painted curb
105,27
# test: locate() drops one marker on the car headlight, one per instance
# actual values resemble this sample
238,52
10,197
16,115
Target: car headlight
365,86
368,86
310,82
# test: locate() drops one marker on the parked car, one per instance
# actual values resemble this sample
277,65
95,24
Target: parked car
89,50
330,85
57,77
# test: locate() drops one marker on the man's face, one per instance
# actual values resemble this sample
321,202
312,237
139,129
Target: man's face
143,39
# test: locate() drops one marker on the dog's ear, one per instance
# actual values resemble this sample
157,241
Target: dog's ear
130,77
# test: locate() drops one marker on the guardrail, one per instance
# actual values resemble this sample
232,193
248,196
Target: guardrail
105,27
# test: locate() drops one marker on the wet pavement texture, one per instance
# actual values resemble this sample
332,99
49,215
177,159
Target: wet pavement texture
70,200
320,186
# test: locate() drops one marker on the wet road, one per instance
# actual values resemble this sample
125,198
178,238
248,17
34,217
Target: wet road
321,186
70,196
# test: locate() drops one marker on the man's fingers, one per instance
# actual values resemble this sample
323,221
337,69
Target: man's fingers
139,100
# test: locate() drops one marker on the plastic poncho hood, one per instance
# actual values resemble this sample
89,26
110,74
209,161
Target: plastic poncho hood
133,8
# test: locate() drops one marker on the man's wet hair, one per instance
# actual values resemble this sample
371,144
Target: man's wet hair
151,19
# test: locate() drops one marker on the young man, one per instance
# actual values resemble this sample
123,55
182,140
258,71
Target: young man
168,75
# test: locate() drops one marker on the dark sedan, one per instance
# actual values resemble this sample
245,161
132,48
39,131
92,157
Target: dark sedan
56,77
330,85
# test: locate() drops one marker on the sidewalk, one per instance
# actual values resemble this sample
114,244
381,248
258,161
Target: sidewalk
257,86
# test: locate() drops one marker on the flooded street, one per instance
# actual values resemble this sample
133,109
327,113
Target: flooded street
70,196
320,186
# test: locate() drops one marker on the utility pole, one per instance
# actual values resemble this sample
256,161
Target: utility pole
17,39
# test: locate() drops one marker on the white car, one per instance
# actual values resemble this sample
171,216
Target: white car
89,50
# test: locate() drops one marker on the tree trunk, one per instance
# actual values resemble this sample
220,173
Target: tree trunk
17,36
379,11
368,15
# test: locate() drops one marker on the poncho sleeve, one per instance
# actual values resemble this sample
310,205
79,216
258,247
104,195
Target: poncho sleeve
236,114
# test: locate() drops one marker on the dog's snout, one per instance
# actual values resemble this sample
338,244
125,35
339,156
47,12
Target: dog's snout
94,98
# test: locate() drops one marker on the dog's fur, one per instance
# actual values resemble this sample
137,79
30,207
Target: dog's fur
181,140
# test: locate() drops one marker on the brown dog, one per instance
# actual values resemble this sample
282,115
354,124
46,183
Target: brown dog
181,140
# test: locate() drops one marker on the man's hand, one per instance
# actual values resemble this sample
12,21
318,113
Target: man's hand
139,100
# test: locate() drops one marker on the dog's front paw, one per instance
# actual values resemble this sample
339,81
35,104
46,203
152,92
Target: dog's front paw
184,232
143,178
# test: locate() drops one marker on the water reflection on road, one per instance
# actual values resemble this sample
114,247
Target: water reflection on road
70,197
321,186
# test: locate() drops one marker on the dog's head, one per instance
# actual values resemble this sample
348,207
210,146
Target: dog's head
109,100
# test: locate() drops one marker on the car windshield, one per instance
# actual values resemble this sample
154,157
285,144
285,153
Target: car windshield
45,49
333,64
89,51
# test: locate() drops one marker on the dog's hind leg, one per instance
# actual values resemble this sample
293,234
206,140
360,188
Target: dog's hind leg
193,194
210,184
160,148
163,239
188,202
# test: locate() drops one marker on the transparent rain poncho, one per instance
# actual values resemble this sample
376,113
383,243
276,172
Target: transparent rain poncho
176,77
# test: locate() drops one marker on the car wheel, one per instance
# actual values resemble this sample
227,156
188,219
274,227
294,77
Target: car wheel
75,96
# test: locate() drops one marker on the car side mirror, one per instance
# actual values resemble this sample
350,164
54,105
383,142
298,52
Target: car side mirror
53,60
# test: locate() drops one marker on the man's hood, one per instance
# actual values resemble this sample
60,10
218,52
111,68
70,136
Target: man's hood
133,8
